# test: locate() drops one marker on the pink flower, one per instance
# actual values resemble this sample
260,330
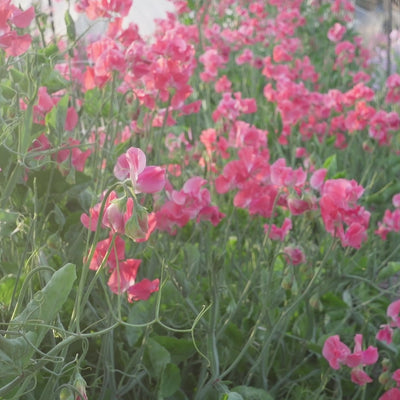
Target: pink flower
317,178
396,376
117,253
335,351
338,353
143,289
294,255
391,394
396,200
360,377
393,312
124,275
144,179
335,34
393,85
339,209
276,233
385,334
151,180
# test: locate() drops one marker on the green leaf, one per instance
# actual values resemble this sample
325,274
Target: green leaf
55,119
92,102
8,222
45,304
252,393
142,312
69,22
170,380
7,284
233,396
158,357
180,349
331,165
53,80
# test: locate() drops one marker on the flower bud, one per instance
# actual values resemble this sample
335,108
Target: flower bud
80,386
114,215
137,226
66,394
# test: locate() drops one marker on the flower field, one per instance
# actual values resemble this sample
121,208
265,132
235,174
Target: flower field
212,212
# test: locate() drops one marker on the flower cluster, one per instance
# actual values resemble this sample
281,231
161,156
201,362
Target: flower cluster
10,17
124,216
337,354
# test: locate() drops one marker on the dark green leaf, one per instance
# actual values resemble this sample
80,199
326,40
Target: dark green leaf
170,380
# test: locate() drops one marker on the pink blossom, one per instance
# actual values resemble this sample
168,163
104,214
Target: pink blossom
143,289
317,178
335,351
335,34
151,180
391,394
294,255
385,334
360,377
124,275
117,253
393,312
130,164
396,200
393,85
276,233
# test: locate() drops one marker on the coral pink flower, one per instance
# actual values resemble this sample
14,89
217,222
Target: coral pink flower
280,54
124,275
103,8
143,289
117,253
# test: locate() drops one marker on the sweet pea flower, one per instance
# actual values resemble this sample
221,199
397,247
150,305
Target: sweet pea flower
335,351
335,34
337,354
144,179
391,394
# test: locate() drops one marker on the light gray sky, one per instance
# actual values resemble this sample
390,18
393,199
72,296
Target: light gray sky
142,12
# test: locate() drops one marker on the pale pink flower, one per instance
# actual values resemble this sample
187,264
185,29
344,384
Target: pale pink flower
335,34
